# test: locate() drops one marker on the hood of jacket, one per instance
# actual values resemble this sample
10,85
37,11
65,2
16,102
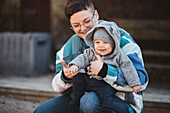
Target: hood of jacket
112,29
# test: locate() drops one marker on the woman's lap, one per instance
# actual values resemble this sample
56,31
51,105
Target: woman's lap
54,105
60,104
89,103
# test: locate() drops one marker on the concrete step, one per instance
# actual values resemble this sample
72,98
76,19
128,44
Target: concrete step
156,107
158,73
156,57
154,44
36,88
154,102
156,96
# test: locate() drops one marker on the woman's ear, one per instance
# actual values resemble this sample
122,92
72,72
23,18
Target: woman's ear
96,15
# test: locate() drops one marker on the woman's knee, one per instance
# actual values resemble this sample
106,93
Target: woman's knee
89,103
40,109
55,105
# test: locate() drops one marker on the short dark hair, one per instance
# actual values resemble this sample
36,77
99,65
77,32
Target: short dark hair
74,6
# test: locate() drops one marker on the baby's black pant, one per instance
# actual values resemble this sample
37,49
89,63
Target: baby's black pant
83,83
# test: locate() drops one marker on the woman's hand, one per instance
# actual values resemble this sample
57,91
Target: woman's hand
73,70
66,70
95,66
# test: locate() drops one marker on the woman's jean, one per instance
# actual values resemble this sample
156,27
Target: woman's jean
89,103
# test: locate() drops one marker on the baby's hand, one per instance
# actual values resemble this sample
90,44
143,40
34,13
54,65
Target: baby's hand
73,70
137,88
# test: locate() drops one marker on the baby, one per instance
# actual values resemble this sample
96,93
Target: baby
104,42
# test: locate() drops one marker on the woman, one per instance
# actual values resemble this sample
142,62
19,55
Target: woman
83,17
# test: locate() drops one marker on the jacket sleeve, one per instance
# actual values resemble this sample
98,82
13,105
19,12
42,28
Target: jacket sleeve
83,60
129,71
132,50
59,83
111,75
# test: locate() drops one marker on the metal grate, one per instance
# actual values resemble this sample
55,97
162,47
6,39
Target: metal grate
24,53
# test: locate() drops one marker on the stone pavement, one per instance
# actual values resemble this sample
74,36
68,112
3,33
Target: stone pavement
14,105
20,94
30,88
42,83
38,88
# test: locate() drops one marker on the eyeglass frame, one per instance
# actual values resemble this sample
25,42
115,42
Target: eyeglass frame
72,28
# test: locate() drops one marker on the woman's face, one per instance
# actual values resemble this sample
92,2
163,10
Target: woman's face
83,21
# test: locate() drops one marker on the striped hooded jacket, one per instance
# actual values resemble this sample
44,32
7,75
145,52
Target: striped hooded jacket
76,46
116,58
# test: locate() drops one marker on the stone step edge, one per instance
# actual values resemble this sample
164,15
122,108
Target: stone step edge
156,53
27,94
157,66
156,98
43,96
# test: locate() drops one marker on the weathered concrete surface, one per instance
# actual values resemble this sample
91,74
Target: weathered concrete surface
13,105
36,90
30,88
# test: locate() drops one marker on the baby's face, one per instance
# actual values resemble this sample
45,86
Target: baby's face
102,47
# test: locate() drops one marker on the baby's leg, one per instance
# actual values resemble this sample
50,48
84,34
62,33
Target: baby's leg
79,87
107,99
105,93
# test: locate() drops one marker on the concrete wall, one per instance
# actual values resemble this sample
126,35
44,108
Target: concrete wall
59,23
142,19
10,15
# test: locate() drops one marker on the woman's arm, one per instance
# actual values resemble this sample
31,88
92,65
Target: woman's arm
60,82
68,52
132,50
107,72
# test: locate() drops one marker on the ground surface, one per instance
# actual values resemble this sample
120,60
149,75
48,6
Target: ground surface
156,96
13,105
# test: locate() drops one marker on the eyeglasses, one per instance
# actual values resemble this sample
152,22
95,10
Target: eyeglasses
85,23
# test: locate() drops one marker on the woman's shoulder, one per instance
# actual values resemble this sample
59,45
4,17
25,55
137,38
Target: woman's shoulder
74,37
125,35
73,40
125,38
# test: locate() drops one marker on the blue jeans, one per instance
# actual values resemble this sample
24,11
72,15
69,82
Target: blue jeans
89,103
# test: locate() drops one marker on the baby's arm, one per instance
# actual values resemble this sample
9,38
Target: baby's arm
129,72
